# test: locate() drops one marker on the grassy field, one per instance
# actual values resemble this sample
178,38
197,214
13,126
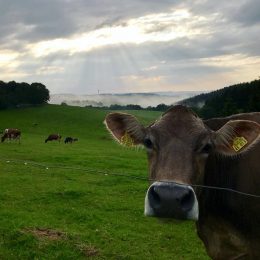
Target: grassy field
82,211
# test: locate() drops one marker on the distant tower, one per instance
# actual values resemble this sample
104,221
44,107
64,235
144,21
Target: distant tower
98,91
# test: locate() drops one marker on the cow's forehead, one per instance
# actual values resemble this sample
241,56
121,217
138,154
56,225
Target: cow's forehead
179,120
179,110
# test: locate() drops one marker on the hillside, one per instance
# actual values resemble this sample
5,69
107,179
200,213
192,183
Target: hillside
239,98
65,202
37,123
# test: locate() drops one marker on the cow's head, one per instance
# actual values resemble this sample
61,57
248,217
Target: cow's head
178,145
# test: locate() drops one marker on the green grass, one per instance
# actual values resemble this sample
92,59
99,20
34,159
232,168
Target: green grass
97,216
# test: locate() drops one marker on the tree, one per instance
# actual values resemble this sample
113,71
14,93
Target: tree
13,94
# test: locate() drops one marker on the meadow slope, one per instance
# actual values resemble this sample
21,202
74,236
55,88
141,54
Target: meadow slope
82,211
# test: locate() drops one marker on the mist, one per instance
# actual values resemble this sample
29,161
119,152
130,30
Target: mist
142,99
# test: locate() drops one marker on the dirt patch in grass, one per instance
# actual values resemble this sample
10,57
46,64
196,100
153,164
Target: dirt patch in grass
45,233
88,250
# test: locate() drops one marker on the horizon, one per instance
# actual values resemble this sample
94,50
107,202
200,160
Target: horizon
126,93
107,99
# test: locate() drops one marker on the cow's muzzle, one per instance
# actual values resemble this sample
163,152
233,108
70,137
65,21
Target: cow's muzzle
170,200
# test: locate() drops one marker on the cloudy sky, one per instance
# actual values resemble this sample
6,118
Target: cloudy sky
117,46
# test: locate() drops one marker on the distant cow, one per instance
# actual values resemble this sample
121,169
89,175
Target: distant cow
70,140
53,137
11,134
186,153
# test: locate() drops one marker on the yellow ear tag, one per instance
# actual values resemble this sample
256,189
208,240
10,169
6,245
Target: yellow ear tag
239,142
127,140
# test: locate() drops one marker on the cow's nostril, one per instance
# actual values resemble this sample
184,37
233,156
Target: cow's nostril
187,200
154,197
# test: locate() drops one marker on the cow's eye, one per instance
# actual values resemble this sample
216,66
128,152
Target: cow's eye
206,148
148,143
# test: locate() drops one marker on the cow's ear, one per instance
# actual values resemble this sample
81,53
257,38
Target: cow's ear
125,128
236,136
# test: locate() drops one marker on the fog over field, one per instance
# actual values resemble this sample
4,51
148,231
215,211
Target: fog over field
142,99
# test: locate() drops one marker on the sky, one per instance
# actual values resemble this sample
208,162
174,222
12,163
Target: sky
122,46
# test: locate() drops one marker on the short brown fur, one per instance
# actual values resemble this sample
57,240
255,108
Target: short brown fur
229,223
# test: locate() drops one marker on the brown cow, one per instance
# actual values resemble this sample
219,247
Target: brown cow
53,137
11,134
183,153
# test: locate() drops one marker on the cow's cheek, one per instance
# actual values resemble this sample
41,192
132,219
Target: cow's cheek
199,163
152,166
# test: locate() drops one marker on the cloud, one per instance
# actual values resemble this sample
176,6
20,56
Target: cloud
139,30
248,13
35,21
85,46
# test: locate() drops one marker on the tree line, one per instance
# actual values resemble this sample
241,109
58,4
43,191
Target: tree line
13,94
239,98
160,107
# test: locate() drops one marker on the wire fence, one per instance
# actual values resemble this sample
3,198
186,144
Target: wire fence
129,176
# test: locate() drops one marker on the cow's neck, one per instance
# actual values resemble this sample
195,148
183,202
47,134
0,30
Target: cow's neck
233,173
223,213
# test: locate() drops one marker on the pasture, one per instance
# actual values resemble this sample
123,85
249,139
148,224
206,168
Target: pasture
48,211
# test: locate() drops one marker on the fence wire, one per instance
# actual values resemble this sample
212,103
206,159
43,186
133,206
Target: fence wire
109,173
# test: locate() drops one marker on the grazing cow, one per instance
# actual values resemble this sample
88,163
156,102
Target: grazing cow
11,134
184,153
53,137
70,140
